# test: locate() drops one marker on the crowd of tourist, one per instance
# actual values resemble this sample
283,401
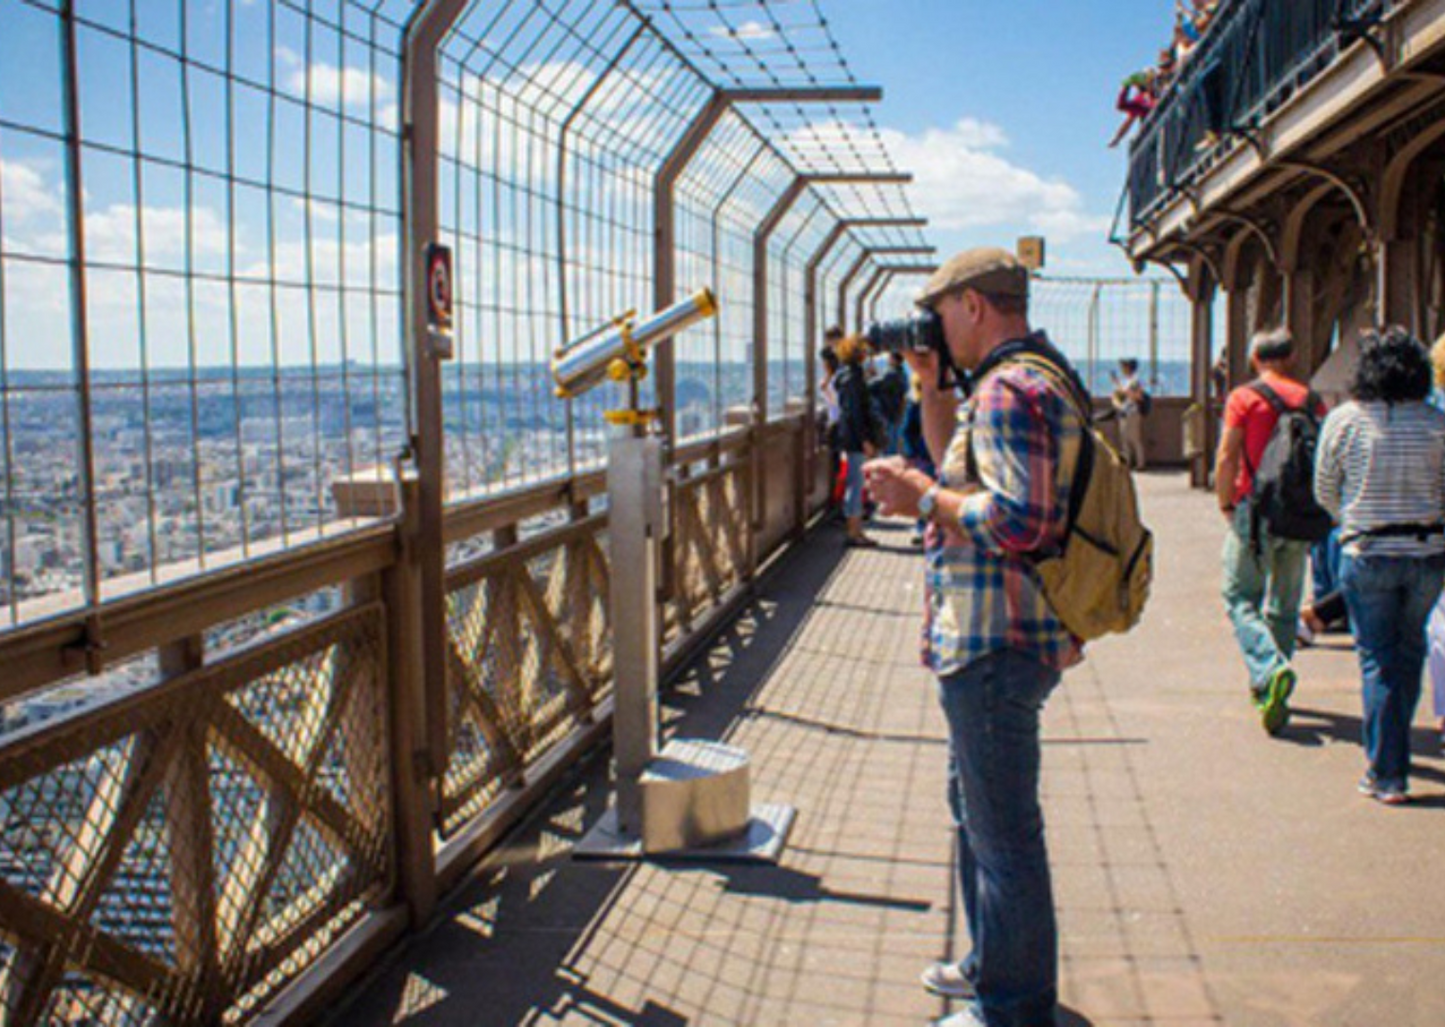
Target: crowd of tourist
865,397
1357,492
1141,92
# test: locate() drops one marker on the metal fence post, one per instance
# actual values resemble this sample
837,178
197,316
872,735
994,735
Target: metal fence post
425,502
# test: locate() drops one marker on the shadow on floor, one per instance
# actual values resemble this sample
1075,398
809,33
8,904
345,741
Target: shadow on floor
1312,727
505,948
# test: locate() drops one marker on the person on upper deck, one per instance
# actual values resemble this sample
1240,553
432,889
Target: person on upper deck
1264,575
1381,472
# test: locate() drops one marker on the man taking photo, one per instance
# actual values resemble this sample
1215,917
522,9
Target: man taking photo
1007,455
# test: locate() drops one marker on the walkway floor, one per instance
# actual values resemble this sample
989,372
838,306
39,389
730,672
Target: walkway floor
1205,873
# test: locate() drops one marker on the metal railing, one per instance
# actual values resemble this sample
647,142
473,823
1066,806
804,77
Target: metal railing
299,617
1255,56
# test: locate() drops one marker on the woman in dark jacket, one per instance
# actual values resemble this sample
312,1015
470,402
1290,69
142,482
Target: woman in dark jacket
859,432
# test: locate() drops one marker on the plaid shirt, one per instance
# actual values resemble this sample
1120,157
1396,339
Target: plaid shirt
983,592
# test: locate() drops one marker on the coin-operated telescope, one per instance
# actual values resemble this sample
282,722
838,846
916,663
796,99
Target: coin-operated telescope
618,352
690,798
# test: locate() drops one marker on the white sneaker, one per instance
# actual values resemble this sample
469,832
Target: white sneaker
966,1017
947,980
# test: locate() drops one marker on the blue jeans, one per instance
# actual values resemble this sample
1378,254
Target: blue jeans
1325,565
853,485
1262,593
993,707
1390,598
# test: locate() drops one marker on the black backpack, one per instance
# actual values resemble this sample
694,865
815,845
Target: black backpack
1283,497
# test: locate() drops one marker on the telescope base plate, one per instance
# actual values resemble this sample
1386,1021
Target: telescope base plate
763,841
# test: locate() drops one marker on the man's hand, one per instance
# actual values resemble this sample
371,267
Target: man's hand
895,487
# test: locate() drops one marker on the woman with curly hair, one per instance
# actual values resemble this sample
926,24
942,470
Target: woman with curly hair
1380,470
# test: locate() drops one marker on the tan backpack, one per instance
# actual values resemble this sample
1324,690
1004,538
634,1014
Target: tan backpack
1097,581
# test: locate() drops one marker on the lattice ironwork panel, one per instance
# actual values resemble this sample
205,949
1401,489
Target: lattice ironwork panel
180,854
528,660
712,528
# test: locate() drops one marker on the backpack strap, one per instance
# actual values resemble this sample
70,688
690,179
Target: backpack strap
1031,354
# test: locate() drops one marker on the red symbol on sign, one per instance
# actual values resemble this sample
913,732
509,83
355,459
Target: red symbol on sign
439,288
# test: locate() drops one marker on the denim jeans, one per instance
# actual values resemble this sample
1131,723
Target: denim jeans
1390,598
1325,565
1262,593
993,707
853,484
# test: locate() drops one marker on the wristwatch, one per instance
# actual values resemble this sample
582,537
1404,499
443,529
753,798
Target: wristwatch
928,502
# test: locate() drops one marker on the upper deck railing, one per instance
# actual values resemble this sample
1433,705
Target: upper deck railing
1256,55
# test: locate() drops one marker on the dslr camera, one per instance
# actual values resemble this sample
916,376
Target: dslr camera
921,332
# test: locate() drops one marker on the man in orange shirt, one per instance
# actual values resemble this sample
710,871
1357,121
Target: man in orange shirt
1263,575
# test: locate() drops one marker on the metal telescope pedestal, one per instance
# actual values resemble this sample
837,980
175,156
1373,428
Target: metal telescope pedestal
691,800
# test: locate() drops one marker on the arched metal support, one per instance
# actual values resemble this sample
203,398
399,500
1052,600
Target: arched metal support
761,239
865,293
1397,173
665,207
1257,230
1179,276
1357,201
1205,257
888,272
810,312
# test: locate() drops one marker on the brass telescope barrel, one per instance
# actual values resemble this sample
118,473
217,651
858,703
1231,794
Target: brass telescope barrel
587,362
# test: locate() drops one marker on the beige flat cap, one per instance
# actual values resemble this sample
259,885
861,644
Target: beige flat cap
987,269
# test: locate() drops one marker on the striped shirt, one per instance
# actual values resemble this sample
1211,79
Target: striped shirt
984,594
1379,465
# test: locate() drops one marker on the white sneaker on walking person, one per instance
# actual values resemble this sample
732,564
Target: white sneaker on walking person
947,980
969,1016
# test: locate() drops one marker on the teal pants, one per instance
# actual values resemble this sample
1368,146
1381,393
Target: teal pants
1262,594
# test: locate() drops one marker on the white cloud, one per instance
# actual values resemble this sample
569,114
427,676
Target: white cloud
963,181
24,193
752,31
331,86
110,234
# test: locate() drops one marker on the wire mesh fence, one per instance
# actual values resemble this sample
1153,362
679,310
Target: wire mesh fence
1098,322
202,258
199,283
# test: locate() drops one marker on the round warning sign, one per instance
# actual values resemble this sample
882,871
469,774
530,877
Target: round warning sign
439,288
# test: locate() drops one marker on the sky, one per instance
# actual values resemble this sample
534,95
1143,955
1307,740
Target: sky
1003,110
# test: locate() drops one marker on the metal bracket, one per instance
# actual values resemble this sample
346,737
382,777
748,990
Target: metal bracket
1254,138
90,647
1368,30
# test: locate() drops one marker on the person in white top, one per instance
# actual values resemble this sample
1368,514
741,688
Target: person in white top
1380,470
1128,402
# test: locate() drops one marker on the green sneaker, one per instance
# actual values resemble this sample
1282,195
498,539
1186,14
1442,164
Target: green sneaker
1274,713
